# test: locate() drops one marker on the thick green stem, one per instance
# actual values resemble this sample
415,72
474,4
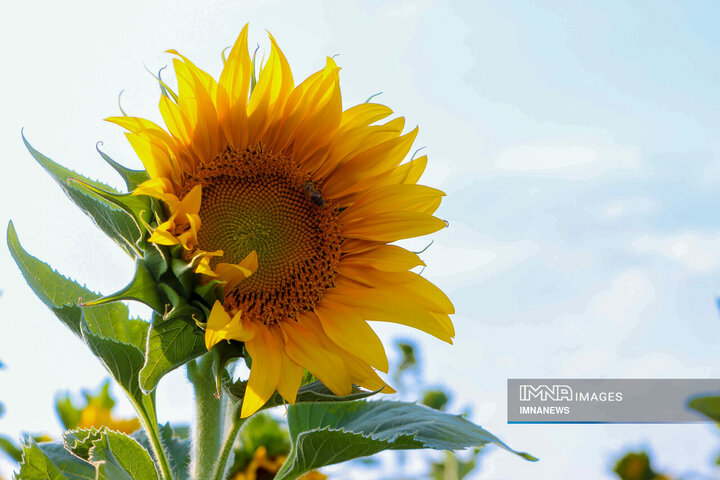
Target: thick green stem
209,417
221,465
148,419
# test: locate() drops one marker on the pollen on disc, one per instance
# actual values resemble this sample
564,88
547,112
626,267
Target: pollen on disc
253,200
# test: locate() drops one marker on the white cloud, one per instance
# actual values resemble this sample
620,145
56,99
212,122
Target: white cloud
621,208
477,256
572,162
698,251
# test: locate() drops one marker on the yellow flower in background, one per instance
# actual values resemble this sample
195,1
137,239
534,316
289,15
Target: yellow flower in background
96,413
98,416
262,467
292,202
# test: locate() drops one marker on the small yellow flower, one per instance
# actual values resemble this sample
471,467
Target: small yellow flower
293,202
261,467
98,416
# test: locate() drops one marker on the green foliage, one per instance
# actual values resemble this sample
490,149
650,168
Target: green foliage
117,456
453,468
114,221
261,430
132,178
708,406
409,360
68,413
176,445
80,441
636,466
112,454
170,344
51,461
336,432
436,399
8,447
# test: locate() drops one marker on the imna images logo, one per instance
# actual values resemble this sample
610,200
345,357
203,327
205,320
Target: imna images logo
544,393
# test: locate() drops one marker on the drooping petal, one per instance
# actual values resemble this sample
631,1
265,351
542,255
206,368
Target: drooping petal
265,372
220,326
303,347
381,305
234,273
408,286
350,331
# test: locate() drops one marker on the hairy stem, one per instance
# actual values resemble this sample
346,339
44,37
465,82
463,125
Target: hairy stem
209,417
148,419
222,462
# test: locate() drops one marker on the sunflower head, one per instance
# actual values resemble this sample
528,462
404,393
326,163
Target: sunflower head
280,209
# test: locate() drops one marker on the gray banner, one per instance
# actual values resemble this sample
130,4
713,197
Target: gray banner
606,400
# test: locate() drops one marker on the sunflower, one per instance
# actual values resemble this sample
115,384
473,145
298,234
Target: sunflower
293,203
264,467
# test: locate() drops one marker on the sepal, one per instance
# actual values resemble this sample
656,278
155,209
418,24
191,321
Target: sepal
115,222
132,178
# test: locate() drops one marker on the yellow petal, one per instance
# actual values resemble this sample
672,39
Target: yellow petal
270,94
351,332
391,198
290,379
155,158
220,326
303,347
163,234
392,226
388,258
383,306
360,372
363,115
408,286
154,187
265,372
232,93
235,273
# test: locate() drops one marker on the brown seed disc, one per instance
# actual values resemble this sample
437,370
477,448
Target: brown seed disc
253,200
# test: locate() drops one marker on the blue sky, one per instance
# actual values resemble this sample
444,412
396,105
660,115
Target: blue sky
577,143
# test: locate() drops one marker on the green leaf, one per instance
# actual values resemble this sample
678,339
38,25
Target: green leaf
117,340
57,292
10,448
122,360
170,344
64,297
708,406
80,441
176,446
50,461
326,434
132,178
117,456
116,223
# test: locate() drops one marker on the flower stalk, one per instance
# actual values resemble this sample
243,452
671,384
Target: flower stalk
209,417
